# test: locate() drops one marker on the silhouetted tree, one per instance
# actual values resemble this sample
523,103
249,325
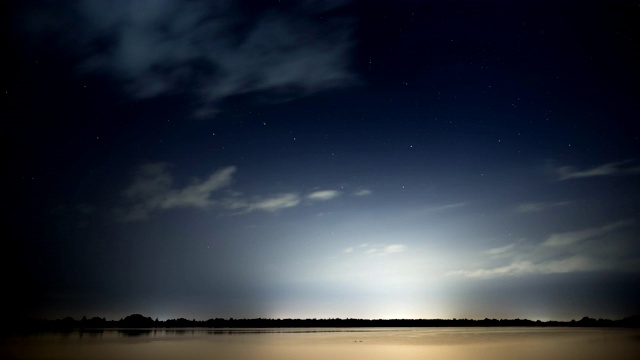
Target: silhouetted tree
137,320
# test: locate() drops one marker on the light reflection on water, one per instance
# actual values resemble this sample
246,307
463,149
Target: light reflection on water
336,344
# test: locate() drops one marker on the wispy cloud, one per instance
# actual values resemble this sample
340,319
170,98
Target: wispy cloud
377,250
539,206
274,203
211,50
592,249
239,204
431,209
323,195
153,190
609,169
394,248
575,237
574,263
500,251
447,207
362,192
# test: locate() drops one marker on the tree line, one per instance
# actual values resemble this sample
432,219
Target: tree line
140,321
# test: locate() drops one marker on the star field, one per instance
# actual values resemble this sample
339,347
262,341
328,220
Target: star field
293,159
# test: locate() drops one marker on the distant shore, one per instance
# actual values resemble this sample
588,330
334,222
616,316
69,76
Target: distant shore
140,321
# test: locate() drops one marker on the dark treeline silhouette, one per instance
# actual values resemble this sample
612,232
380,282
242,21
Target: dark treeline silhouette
140,321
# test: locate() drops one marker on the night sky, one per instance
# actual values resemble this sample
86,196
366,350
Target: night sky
373,159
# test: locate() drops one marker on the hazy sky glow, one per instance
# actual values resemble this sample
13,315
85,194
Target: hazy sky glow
314,159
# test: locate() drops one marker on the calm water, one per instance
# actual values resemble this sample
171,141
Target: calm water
333,344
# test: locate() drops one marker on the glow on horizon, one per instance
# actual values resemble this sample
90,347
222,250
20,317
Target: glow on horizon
367,280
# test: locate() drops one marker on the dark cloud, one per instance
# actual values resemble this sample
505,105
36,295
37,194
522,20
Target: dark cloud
207,50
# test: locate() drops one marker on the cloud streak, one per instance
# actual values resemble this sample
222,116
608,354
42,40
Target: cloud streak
377,250
362,192
609,169
323,195
593,249
274,203
153,190
539,206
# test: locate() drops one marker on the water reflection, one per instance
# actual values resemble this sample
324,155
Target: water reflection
335,344
92,332
237,331
134,332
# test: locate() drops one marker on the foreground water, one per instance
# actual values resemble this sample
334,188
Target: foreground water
334,344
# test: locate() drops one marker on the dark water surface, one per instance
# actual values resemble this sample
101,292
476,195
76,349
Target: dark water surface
333,344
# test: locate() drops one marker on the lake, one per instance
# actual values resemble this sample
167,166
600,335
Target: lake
333,344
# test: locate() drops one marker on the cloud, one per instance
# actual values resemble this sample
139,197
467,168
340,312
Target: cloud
603,248
574,263
609,169
237,203
539,206
152,190
575,237
210,50
427,210
447,207
503,250
395,248
197,194
362,192
274,203
323,195
378,250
